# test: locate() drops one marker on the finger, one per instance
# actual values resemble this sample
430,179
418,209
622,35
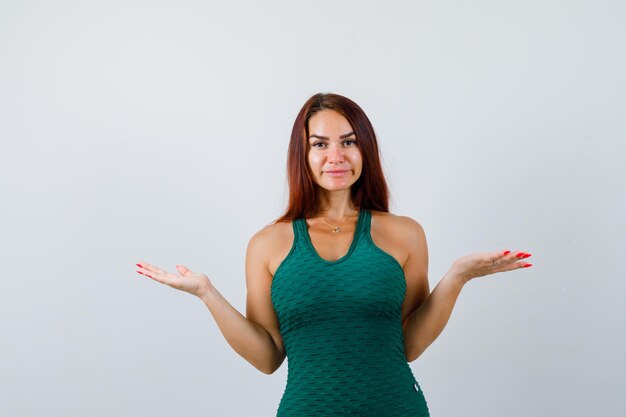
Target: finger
507,256
519,264
146,267
153,272
146,274
517,255
499,257
144,271
162,277
182,269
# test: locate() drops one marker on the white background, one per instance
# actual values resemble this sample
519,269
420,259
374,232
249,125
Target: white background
158,131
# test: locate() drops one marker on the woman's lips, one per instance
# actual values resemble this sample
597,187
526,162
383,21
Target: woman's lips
336,173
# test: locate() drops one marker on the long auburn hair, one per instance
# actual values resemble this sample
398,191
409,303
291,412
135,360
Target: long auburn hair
370,191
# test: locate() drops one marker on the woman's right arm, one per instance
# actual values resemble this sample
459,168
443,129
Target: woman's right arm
256,338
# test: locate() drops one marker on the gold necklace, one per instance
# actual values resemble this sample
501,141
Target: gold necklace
336,229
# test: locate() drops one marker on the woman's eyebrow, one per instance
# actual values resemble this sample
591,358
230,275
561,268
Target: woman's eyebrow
326,138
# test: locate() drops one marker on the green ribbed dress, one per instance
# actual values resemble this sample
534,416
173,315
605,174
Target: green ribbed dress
342,328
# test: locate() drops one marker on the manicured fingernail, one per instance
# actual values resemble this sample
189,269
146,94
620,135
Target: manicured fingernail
507,252
527,265
527,255
140,272
520,254
139,265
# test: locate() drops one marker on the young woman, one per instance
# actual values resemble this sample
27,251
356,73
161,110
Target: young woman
338,284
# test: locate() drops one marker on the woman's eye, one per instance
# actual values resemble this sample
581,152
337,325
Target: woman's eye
322,143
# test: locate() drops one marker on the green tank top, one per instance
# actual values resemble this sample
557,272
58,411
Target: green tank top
341,324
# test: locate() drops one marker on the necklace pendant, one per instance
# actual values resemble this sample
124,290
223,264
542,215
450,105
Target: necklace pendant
337,229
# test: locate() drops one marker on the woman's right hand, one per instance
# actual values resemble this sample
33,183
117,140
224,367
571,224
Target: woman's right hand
486,263
186,280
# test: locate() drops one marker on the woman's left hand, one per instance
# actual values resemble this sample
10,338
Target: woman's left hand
480,264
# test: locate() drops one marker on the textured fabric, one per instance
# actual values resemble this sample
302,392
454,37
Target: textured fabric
341,324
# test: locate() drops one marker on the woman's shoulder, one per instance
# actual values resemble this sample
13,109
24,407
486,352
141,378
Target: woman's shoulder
399,219
274,241
397,222
274,232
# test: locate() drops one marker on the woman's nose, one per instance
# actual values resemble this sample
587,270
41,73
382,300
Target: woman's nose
335,153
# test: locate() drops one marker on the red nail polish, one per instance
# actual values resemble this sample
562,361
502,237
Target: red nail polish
507,252
527,265
140,272
520,254
139,266
527,255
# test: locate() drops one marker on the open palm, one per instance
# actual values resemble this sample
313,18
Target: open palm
480,264
186,280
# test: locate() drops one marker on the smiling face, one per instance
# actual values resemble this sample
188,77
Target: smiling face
333,147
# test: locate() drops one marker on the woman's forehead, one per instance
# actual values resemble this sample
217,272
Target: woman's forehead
327,123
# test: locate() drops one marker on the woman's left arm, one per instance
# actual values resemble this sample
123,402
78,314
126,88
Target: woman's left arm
422,326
